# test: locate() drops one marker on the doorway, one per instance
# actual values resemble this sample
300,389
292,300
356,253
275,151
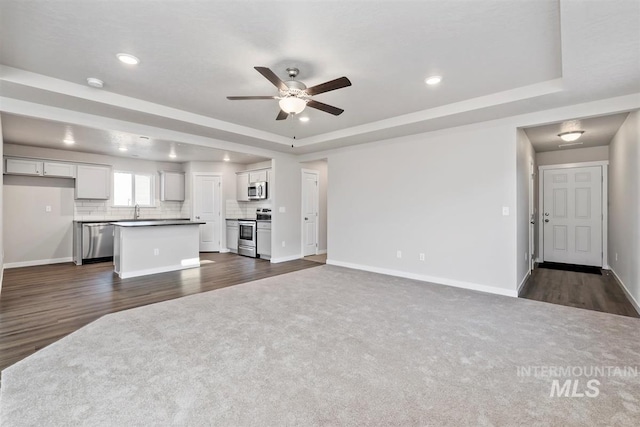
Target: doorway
207,202
573,214
310,214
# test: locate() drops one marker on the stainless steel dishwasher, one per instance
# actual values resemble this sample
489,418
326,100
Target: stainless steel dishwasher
97,242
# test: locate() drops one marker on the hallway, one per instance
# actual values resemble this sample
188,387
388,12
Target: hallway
581,290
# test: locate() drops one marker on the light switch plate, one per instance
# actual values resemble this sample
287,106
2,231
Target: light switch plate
505,211
282,209
47,208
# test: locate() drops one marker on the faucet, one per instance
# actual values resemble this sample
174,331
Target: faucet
136,211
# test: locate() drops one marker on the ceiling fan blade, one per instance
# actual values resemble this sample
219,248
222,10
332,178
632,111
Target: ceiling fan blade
271,76
326,87
240,98
325,107
282,115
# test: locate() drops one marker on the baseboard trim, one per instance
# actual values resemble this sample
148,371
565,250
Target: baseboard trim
321,252
285,259
634,303
430,279
148,271
523,282
37,262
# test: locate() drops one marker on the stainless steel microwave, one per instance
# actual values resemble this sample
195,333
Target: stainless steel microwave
257,191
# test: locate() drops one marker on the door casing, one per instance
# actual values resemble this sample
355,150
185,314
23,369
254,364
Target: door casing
605,203
221,247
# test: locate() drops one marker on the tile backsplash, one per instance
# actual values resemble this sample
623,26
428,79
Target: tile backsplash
89,210
235,209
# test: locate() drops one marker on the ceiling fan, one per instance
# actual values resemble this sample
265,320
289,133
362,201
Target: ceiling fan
294,96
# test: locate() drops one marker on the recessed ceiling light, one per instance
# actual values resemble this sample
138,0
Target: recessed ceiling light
172,155
433,80
69,141
123,149
304,119
571,136
93,82
226,158
128,59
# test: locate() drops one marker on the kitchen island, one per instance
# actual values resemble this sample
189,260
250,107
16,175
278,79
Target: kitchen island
158,246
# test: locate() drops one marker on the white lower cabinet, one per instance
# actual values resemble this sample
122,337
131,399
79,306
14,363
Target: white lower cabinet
232,235
263,238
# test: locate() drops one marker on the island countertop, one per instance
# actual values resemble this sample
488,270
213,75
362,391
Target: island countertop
154,223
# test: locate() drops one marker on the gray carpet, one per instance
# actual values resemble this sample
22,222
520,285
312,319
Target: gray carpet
328,346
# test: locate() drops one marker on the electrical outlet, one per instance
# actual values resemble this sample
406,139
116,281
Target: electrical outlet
283,244
156,251
421,257
399,254
282,209
47,208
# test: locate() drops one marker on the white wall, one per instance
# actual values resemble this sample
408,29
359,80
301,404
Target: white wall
524,158
624,205
440,194
286,194
31,233
1,210
322,168
573,155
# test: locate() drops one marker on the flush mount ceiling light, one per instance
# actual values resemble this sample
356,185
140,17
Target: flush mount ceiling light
304,119
94,82
226,158
128,59
68,141
433,80
571,135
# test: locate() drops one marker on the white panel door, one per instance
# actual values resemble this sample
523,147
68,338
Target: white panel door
572,215
206,207
309,213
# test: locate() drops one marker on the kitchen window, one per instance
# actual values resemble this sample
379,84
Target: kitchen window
130,189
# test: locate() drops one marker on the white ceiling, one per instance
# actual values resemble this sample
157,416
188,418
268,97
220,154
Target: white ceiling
598,131
50,134
496,58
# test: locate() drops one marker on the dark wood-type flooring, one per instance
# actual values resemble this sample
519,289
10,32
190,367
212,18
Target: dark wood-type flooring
582,290
40,305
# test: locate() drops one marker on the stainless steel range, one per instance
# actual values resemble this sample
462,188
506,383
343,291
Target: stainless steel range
247,237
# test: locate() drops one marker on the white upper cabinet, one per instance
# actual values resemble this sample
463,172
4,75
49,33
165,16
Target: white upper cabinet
93,182
242,187
258,176
23,167
172,186
58,169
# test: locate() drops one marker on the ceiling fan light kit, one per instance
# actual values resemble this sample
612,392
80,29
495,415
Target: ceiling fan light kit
294,96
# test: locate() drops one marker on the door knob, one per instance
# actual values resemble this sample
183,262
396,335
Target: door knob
306,219
546,220
546,214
